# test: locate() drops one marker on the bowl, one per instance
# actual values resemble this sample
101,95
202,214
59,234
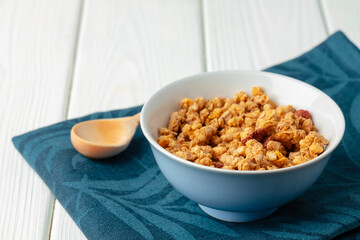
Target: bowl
232,195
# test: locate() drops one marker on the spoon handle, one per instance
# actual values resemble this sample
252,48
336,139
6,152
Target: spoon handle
136,117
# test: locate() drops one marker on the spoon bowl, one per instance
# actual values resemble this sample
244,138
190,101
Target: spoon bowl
104,138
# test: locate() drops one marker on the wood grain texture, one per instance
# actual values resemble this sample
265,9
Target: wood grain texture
226,41
126,51
36,50
254,34
343,15
64,227
129,49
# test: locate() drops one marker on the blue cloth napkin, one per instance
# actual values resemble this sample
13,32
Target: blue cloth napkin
127,197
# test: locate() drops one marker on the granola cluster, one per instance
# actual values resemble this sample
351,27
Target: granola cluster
247,132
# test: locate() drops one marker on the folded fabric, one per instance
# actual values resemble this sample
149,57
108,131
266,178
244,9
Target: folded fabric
127,197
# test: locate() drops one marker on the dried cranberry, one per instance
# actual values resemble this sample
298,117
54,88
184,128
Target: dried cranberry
218,165
303,113
245,140
258,135
267,140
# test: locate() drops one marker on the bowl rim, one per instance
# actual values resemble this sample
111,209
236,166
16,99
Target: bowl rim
173,157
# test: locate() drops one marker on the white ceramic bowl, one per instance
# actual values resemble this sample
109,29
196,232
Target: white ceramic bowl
231,195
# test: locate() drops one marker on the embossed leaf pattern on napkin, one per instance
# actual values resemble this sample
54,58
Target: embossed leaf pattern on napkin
127,197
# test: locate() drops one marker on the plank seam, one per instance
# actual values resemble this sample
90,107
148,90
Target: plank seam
203,37
68,99
53,201
252,55
72,72
324,17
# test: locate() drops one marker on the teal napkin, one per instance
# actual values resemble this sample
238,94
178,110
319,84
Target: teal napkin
127,197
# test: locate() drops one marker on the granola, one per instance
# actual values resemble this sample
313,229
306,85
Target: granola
247,132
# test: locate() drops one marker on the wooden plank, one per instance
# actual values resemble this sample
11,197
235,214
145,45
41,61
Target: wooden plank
225,35
127,50
343,15
64,227
254,34
36,51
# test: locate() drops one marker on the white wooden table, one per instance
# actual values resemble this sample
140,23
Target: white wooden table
61,59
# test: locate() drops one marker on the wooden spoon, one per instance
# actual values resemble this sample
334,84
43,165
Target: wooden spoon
104,138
